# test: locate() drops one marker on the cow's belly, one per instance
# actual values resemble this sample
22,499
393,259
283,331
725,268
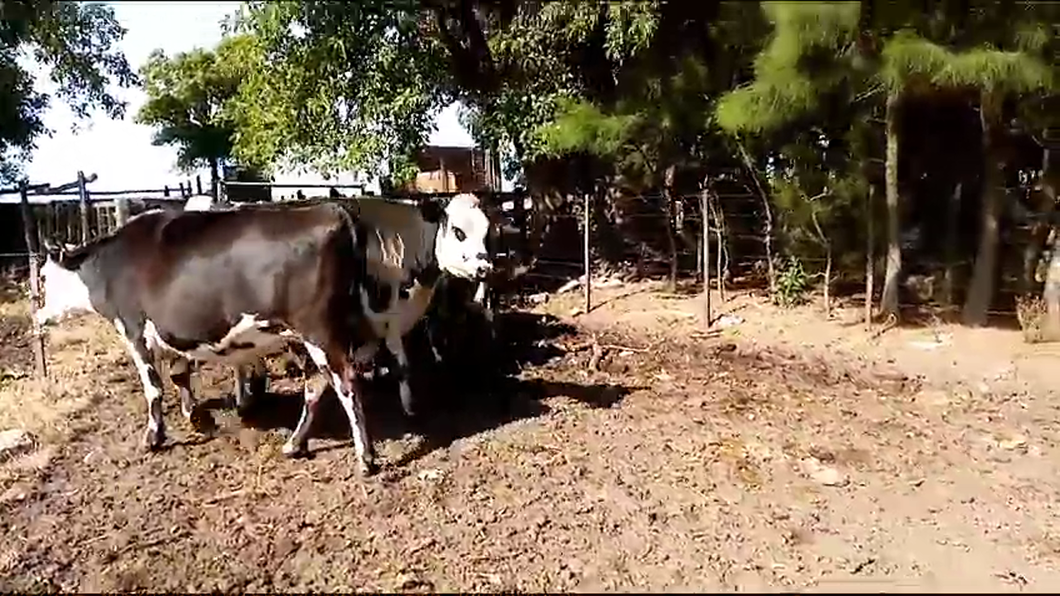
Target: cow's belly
247,341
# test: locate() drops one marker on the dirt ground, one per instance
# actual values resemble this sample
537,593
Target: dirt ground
633,452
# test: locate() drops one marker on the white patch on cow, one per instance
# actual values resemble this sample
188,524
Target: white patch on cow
392,248
350,403
460,245
480,293
65,293
200,203
244,343
152,392
312,395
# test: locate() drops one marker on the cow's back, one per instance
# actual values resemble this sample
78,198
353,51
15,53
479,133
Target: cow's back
396,225
197,273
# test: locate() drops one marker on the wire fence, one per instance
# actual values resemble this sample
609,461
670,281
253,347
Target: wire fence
541,249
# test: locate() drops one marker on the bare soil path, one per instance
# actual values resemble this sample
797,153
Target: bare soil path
627,455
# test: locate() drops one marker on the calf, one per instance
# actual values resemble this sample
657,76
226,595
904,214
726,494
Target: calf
431,242
228,286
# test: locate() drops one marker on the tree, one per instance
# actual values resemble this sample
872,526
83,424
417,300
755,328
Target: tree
812,97
77,43
355,89
188,97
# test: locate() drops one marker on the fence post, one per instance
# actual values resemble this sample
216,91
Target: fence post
29,229
705,241
165,191
198,185
182,195
870,256
585,254
121,206
82,193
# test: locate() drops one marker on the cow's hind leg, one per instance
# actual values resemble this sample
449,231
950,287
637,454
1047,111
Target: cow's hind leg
315,382
397,348
143,359
180,371
251,382
345,379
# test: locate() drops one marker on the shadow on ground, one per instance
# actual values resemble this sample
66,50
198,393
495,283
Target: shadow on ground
477,388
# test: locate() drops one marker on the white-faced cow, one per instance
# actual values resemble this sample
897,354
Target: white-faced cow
412,247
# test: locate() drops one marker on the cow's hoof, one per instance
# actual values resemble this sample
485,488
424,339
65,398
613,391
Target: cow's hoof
154,438
295,451
369,467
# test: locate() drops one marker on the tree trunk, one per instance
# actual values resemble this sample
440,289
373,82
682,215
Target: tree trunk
981,290
1051,292
215,178
870,253
892,275
767,233
671,239
953,209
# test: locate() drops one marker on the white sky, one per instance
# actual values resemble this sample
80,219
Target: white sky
120,151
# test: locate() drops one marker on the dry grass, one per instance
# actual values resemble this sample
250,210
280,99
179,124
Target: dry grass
78,351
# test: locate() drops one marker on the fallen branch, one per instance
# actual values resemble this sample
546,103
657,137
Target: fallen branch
224,496
891,321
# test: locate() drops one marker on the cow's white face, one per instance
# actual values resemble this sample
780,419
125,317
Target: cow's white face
65,293
461,243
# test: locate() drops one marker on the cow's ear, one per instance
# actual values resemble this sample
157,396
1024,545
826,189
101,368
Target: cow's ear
432,210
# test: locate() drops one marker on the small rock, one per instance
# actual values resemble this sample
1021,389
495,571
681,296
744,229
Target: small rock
431,475
14,442
822,474
725,321
933,397
663,376
1013,444
411,581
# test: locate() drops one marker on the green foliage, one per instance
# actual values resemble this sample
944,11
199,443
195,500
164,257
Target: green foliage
580,126
189,97
355,89
76,43
792,283
910,60
808,53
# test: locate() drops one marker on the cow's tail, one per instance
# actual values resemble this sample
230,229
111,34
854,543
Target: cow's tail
358,240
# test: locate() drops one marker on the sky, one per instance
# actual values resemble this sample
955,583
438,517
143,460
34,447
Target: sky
120,151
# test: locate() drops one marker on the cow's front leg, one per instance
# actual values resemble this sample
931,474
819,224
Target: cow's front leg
396,346
143,359
343,374
180,372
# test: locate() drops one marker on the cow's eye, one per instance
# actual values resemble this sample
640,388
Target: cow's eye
460,235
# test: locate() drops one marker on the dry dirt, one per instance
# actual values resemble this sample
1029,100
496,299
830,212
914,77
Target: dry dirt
632,453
